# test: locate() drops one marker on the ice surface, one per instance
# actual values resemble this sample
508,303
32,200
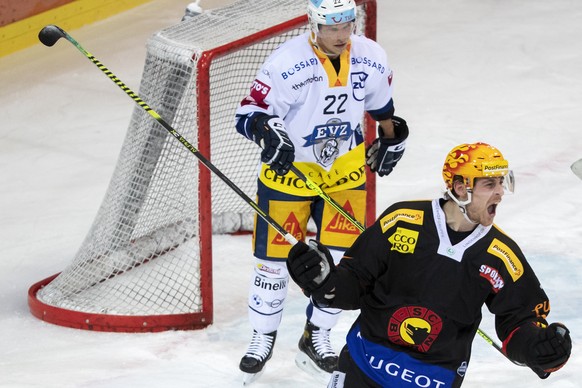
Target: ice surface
503,72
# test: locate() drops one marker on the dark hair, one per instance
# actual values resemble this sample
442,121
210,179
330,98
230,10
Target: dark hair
456,178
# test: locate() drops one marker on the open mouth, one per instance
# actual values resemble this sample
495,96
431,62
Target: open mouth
491,209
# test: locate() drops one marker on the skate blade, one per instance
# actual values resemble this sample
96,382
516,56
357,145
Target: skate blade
306,364
249,378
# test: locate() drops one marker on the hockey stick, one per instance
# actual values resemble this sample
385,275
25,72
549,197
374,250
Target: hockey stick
313,186
538,371
576,168
50,34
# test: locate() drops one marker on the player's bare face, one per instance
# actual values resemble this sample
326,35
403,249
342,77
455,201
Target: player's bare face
332,40
487,194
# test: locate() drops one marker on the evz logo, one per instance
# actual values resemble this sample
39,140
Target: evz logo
326,140
359,85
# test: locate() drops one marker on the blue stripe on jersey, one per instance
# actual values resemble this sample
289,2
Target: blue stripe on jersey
390,368
244,124
383,113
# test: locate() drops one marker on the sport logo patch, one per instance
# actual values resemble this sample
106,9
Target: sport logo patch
359,85
408,215
404,240
259,92
512,263
264,268
492,276
414,326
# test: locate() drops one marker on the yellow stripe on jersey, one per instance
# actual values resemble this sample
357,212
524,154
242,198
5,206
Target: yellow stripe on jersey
333,77
407,215
347,172
512,263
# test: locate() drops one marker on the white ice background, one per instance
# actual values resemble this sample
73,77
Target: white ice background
503,72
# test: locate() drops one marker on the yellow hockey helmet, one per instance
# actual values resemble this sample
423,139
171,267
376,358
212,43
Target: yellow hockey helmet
477,160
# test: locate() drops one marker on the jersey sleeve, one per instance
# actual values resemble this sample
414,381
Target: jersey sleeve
521,299
267,95
379,101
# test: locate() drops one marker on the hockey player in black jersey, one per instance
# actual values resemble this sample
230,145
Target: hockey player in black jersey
420,276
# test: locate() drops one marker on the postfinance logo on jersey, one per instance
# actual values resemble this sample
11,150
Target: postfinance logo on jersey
404,240
512,263
412,216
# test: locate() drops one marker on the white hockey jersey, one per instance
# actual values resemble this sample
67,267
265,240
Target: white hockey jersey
322,110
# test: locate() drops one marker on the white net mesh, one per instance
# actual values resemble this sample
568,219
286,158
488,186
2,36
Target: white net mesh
142,255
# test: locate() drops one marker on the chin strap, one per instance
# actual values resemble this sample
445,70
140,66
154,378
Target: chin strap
313,39
462,204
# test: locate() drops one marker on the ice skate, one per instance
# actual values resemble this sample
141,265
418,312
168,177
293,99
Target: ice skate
316,356
259,352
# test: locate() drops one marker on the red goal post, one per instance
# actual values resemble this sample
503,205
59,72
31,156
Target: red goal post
146,263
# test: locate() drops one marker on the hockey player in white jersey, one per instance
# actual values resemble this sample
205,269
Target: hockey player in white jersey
306,107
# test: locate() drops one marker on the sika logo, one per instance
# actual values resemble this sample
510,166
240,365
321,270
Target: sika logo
292,226
414,326
339,224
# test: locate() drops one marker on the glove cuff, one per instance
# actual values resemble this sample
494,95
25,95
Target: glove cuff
542,349
324,294
258,126
400,128
400,131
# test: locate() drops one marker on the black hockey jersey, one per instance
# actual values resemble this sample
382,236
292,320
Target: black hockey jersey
422,295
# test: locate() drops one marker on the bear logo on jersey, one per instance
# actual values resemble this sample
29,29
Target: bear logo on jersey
327,139
414,326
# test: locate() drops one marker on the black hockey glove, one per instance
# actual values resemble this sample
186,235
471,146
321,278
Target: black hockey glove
544,350
310,267
278,151
383,154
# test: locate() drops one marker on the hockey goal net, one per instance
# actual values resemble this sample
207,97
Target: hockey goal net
146,262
